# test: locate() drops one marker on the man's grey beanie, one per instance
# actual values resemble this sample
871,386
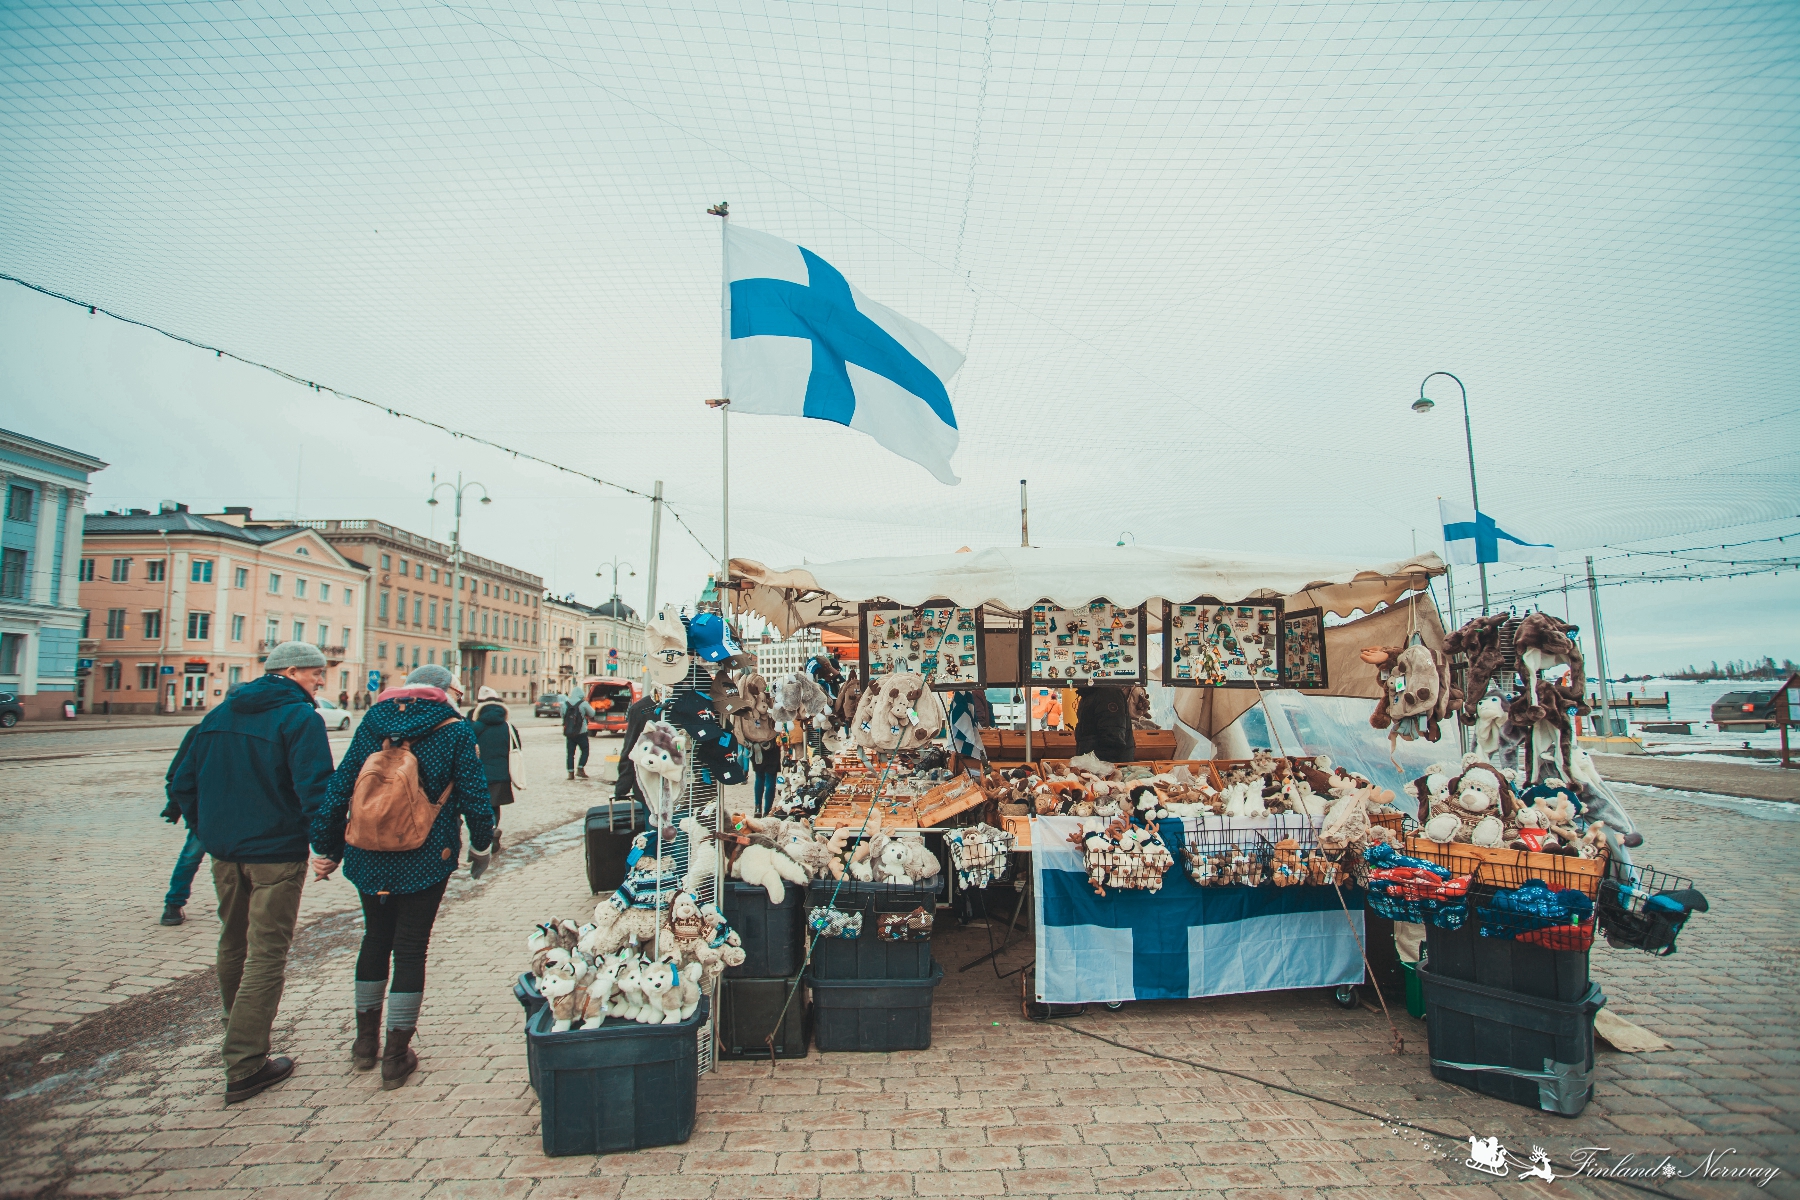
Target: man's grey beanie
430,676
294,654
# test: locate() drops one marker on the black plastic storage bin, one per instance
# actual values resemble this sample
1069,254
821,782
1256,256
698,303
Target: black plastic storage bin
1523,1049
874,897
870,957
1511,966
623,1086
526,993
773,935
873,1014
748,1009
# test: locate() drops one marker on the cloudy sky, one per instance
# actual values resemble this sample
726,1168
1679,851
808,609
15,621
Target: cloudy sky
1199,256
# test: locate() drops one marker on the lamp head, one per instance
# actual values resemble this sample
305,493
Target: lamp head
1422,405
432,502
487,499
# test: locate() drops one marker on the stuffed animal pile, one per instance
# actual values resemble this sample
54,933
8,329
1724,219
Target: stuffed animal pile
1259,864
1479,806
1118,854
897,712
659,981
980,854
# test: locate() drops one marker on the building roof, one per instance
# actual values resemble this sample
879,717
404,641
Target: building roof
615,608
180,520
50,450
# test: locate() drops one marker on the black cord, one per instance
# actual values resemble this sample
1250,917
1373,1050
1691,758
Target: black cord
1362,1112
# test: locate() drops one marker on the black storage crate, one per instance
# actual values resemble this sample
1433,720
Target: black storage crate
874,897
869,957
1536,1052
879,1014
1509,965
748,1010
623,1086
526,993
772,934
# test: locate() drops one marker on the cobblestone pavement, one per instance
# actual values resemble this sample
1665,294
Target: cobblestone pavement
997,1106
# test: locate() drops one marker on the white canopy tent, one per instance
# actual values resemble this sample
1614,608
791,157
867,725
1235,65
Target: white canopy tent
1012,579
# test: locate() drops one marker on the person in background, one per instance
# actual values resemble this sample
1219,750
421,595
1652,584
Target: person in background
498,740
1103,725
636,717
765,761
344,701
401,890
187,863
576,736
248,780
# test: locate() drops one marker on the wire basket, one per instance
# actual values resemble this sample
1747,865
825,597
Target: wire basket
1522,902
1641,908
1419,892
1282,853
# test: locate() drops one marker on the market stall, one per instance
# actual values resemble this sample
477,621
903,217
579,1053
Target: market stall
1225,629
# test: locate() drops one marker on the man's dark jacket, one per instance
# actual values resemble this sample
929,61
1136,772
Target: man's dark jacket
253,773
636,717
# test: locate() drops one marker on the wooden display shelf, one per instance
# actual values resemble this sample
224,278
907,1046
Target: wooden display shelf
1008,745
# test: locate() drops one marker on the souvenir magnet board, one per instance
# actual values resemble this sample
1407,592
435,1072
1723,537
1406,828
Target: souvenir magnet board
937,640
1303,650
1099,643
1209,644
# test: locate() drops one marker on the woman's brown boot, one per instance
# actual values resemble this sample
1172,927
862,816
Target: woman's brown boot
366,1049
399,1061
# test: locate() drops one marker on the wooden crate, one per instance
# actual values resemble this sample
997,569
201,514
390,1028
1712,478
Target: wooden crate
1008,745
1513,867
947,799
1020,828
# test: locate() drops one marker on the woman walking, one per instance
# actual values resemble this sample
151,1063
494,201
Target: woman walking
497,739
401,890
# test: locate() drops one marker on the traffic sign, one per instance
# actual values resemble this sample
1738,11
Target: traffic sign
374,681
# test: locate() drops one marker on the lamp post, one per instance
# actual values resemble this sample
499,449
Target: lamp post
456,551
1424,405
615,564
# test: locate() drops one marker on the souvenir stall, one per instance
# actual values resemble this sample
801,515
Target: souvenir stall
1146,874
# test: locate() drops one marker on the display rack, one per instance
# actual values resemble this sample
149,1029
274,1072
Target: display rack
1209,643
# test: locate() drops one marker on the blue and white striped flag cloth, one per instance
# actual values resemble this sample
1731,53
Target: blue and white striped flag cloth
1471,537
802,342
1185,940
965,738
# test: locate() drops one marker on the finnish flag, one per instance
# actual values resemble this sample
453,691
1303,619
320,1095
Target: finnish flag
1471,537
802,342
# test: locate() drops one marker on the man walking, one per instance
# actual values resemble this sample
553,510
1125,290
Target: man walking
576,715
248,783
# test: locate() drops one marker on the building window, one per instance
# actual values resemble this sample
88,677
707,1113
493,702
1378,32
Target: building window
418,570
415,656
111,676
384,608
346,642
237,628
386,563
299,631
434,574
347,596
272,632
152,625
343,681
199,626
155,571
302,551
484,624
201,571
324,635
12,574
418,611
274,584
240,578
18,503
299,589
403,568
380,651
85,572
324,592
233,677
12,646
593,638
484,589
121,572
115,622
431,656
146,677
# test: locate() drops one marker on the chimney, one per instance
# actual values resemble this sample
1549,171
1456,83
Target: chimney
234,514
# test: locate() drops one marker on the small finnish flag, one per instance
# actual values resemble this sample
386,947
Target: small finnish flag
801,341
1471,537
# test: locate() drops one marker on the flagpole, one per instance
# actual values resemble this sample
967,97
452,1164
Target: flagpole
722,210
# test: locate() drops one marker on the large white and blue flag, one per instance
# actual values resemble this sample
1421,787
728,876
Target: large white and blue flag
1471,537
1185,940
801,341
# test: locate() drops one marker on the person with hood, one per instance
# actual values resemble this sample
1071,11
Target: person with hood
642,710
401,890
497,739
248,781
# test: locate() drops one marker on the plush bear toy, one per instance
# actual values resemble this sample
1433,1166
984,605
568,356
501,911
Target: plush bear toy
890,861
800,699
763,863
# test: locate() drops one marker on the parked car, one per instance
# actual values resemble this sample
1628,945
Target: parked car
333,716
11,711
1745,712
550,704
609,699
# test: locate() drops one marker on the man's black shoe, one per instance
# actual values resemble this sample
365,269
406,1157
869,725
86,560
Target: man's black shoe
273,1072
172,914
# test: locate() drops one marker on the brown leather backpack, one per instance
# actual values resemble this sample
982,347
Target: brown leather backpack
389,809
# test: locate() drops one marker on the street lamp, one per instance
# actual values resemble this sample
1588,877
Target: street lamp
1424,405
615,564
456,551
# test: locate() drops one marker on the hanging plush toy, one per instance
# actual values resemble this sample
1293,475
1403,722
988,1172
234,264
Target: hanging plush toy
660,757
1479,643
